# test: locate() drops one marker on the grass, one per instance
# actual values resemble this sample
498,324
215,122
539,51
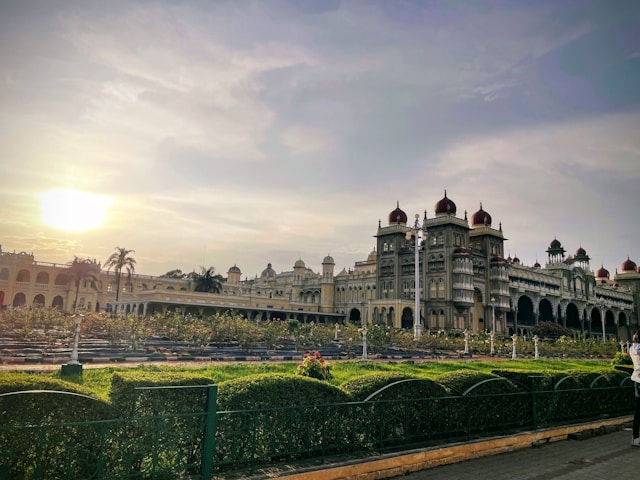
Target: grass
98,380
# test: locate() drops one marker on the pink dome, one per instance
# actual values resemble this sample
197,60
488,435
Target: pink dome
445,206
480,218
602,272
629,265
397,216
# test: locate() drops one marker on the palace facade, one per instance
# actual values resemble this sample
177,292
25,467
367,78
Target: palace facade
465,282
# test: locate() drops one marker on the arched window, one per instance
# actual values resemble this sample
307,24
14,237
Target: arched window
58,302
42,278
441,288
432,289
23,276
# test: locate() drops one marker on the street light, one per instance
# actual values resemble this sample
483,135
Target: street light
604,334
419,234
363,331
493,325
73,366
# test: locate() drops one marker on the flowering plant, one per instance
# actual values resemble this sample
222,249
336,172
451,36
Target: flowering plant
314,366
621,359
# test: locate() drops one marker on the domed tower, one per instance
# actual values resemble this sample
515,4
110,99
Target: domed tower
268,273
327,287
397,216
602,275
233,275
483,237
581,258
555,251
445,206
298,277
628,266
480,218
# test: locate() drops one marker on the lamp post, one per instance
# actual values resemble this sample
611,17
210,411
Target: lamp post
466,342
604,334
363,331
73,366
493,324
419,234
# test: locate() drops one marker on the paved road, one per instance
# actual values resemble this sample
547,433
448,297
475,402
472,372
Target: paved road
604,457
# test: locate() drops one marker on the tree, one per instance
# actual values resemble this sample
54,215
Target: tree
177,273
121,260
207,280
83,270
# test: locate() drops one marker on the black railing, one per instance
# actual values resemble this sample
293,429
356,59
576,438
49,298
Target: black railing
177,446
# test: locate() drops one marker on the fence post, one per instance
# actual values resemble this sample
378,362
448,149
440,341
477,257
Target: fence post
209,441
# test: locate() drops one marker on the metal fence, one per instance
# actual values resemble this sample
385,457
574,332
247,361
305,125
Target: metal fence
200,445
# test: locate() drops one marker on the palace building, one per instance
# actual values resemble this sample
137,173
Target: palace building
464,282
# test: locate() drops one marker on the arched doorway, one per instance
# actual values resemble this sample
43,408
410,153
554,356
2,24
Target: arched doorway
354,315
572,317
39,300
19,300
545,313
407,318
58,302
526,317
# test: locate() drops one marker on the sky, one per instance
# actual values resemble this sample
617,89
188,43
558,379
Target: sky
221,133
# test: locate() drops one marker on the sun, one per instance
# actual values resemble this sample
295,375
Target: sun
72,209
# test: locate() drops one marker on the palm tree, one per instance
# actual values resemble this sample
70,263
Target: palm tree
207,280
119,260
83,270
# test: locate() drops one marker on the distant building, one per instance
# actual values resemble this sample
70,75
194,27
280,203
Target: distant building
465,282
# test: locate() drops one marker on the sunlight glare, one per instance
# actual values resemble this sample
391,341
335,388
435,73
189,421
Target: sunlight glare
72,209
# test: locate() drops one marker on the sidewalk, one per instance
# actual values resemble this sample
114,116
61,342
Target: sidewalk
603,457
594,450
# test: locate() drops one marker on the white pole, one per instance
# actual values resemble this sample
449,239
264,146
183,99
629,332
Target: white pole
74,353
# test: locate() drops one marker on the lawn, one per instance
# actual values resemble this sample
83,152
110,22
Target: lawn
98,380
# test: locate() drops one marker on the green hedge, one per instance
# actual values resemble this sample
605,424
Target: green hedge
129,398
361,388
461,381
46,408
56,402
272,390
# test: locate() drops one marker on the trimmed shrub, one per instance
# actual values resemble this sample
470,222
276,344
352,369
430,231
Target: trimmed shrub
170,419
487,403
129,395
461,381
522,380
363,387
271,390
273,416
59,403
47,408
